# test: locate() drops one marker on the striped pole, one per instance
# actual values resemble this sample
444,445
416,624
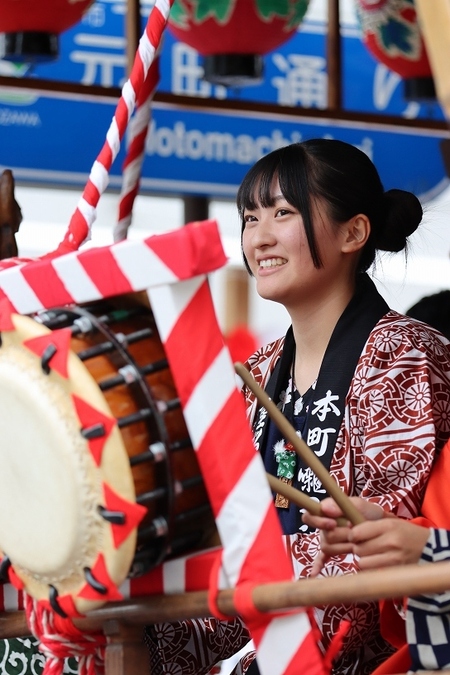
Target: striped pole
137,135
84,216
234,475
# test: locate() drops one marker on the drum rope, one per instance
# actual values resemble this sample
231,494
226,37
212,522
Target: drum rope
60,639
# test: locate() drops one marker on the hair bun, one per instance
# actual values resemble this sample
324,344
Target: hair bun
402,215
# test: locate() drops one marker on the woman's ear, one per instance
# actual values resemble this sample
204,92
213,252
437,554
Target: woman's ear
357,232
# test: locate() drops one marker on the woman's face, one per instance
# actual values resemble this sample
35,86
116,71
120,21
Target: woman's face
275,245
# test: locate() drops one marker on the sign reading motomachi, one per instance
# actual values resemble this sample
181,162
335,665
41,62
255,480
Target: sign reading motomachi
54,139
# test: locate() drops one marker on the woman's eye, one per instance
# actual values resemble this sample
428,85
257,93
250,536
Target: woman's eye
282,212
249,218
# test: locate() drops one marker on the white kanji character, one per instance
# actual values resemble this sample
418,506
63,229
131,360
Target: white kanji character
309,482
326,405
187,73
318,435
112,56
95,17
304,82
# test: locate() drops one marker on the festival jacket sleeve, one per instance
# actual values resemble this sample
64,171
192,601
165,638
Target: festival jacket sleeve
398,413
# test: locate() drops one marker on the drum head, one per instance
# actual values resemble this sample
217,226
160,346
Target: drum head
54,478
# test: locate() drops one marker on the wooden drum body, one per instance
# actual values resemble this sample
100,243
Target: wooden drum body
99,480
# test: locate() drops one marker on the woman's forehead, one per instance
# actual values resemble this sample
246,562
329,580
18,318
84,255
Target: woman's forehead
266,190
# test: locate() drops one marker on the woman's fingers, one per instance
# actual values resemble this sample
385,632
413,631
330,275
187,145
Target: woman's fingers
319,562
336,542
391,541
319,522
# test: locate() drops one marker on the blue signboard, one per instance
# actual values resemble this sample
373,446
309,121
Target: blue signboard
54,139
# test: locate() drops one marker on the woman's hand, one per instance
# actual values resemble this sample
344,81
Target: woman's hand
391,541
382,540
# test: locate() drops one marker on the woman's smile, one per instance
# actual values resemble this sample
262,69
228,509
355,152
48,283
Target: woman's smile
271,262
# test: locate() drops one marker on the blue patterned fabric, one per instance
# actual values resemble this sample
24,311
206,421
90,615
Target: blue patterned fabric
428,616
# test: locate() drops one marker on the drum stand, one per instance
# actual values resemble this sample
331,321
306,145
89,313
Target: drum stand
123,623
126,652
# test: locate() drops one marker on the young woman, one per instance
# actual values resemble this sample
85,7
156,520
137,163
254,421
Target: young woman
365,387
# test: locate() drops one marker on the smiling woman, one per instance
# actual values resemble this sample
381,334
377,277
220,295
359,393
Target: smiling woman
367,388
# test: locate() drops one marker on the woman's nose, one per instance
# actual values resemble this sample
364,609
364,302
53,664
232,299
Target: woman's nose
264,234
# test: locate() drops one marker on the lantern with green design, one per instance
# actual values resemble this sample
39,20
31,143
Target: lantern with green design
391,32
234,35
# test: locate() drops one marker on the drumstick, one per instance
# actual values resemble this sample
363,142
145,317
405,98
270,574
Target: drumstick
348,508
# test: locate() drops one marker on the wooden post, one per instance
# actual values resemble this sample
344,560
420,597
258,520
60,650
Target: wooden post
236,299
196,207
334,59
133,31
126,652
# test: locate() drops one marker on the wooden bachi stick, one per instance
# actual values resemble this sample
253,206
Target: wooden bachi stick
299,498
348,508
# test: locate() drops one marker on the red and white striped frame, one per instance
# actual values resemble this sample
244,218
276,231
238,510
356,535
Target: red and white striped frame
172,268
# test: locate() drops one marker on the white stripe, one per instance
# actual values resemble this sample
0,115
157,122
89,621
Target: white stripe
140,121
19,291
131,174
280,642
129,96
146,52
168,302
89,214
100,178
10,598
436,630
125,589
174,576
242,515
164,7
141,266
209,397
113,138
427,657
75,278
121,228
223,579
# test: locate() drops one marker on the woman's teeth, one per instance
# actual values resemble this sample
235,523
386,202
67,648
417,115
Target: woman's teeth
272,262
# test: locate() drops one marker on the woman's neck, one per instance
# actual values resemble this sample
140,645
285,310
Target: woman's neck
313,327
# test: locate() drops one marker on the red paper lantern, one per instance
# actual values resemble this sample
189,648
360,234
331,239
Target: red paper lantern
391,33
233,35
29,29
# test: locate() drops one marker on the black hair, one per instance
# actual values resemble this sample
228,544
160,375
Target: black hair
434,310
348,183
